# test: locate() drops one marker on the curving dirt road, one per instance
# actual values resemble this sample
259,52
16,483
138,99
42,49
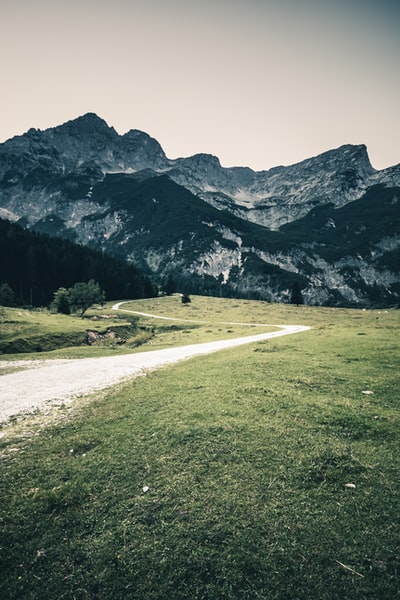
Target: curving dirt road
41,382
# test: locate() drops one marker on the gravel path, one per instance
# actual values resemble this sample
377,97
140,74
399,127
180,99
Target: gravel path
41,382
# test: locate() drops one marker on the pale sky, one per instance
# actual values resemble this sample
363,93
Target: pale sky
257,83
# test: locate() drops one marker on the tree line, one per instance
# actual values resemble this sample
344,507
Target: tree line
34,265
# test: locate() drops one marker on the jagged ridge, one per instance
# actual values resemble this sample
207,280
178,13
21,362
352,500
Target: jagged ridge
241,231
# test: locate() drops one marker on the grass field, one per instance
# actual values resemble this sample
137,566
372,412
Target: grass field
269,471
31,332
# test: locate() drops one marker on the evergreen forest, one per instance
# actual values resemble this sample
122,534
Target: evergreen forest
35,265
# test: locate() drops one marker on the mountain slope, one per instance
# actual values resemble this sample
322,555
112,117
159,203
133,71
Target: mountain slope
330,222
36,265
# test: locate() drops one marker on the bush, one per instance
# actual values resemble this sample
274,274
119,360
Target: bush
7,297
61,302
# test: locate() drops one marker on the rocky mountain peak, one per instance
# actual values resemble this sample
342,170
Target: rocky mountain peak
144,151
202,160
346,156
88,124
330,222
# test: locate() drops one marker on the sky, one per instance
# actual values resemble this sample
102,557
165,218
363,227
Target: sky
258,83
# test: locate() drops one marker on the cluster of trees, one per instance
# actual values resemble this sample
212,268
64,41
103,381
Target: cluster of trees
78,298
34,265
208,286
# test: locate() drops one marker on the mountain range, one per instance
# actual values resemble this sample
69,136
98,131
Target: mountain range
331,223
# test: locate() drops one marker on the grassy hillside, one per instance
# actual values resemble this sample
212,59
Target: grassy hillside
30,332
223,477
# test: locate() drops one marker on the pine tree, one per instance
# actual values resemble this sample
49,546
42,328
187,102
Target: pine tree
185,299
297,296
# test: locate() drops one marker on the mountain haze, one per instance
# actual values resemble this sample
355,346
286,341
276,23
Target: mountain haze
331,223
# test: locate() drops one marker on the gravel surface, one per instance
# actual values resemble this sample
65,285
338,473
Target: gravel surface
43,382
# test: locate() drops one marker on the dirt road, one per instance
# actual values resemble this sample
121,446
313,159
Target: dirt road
41,382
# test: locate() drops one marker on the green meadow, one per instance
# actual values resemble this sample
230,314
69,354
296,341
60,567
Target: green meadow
264,472
41,334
